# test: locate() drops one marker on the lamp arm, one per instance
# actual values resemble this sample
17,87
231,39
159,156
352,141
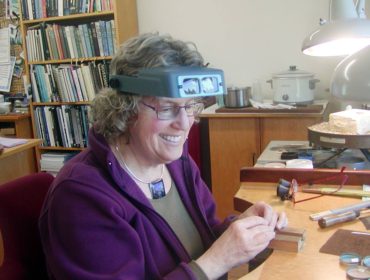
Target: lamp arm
360,8
343,9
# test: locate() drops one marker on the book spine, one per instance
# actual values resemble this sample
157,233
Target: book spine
94,39
108,28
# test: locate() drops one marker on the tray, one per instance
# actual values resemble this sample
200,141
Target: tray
333,140
299,109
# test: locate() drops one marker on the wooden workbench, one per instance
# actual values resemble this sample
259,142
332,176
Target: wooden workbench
19,160
309,263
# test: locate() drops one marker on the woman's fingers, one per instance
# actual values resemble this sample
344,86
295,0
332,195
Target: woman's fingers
282,221
250,222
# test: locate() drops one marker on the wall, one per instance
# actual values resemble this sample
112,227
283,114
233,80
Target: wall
249,39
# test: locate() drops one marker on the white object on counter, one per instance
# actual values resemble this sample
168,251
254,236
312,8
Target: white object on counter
5,107
257,91
261,105
354,121
274,165
299,163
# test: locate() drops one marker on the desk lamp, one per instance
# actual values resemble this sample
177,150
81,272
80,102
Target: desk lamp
347,31
351,77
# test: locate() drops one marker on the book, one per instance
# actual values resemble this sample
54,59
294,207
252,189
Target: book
69,41
56,127
83,40
87,76
77,84
104,38
108,27
94,37
61,126
30,8
88,40
58,42
45,46
34,86
49,125
74,43
82,84
63,38
99,38
67,127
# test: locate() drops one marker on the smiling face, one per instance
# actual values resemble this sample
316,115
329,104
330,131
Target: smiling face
157,141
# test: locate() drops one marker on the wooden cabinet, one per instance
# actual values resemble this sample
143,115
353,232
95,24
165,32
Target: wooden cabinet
235,140
19,161
16,125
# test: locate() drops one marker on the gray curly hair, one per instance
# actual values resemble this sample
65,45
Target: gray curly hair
112,111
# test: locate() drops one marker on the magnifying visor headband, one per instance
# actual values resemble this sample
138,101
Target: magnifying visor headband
173,81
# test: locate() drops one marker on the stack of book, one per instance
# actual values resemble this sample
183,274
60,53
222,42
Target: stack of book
62,126
55,41
34,9
67,82
53,162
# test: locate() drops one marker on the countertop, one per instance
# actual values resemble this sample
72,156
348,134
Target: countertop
272,154
210,112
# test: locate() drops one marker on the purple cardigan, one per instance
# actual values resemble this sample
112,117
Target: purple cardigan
97,224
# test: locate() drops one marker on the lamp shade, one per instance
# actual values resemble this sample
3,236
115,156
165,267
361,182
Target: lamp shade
351,77
339,37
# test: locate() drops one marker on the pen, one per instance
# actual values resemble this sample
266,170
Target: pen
352,207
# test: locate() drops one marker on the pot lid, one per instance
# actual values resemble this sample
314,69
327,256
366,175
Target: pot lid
293,72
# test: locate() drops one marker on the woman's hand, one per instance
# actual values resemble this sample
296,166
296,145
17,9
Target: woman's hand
241,242
262,209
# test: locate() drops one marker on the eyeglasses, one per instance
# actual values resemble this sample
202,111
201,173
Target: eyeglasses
171,112
287,190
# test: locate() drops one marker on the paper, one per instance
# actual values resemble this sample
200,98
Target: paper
347,241
4,45
11,142
256,104
6,73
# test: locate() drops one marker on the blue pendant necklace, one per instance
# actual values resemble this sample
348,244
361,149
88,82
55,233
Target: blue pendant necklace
156,187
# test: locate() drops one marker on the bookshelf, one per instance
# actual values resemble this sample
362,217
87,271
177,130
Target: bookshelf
68,46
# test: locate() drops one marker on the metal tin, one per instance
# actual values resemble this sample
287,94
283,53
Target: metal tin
237,97
358,273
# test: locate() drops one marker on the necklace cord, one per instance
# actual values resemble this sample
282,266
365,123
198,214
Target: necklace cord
120,159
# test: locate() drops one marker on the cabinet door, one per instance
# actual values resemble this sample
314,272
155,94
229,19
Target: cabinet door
286,128
234,143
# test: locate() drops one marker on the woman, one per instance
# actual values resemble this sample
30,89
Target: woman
133,204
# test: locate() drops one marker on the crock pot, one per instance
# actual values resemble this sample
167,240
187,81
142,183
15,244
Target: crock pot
293,86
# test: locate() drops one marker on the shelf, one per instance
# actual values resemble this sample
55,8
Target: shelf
71,60
69,18
41,148
14,117
60,103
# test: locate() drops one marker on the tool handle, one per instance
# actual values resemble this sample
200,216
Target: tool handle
336,219
352,207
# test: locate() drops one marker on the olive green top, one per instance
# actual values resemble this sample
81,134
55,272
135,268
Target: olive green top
171,208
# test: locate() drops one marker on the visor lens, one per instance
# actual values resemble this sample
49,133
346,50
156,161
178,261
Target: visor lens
210,85
191,86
